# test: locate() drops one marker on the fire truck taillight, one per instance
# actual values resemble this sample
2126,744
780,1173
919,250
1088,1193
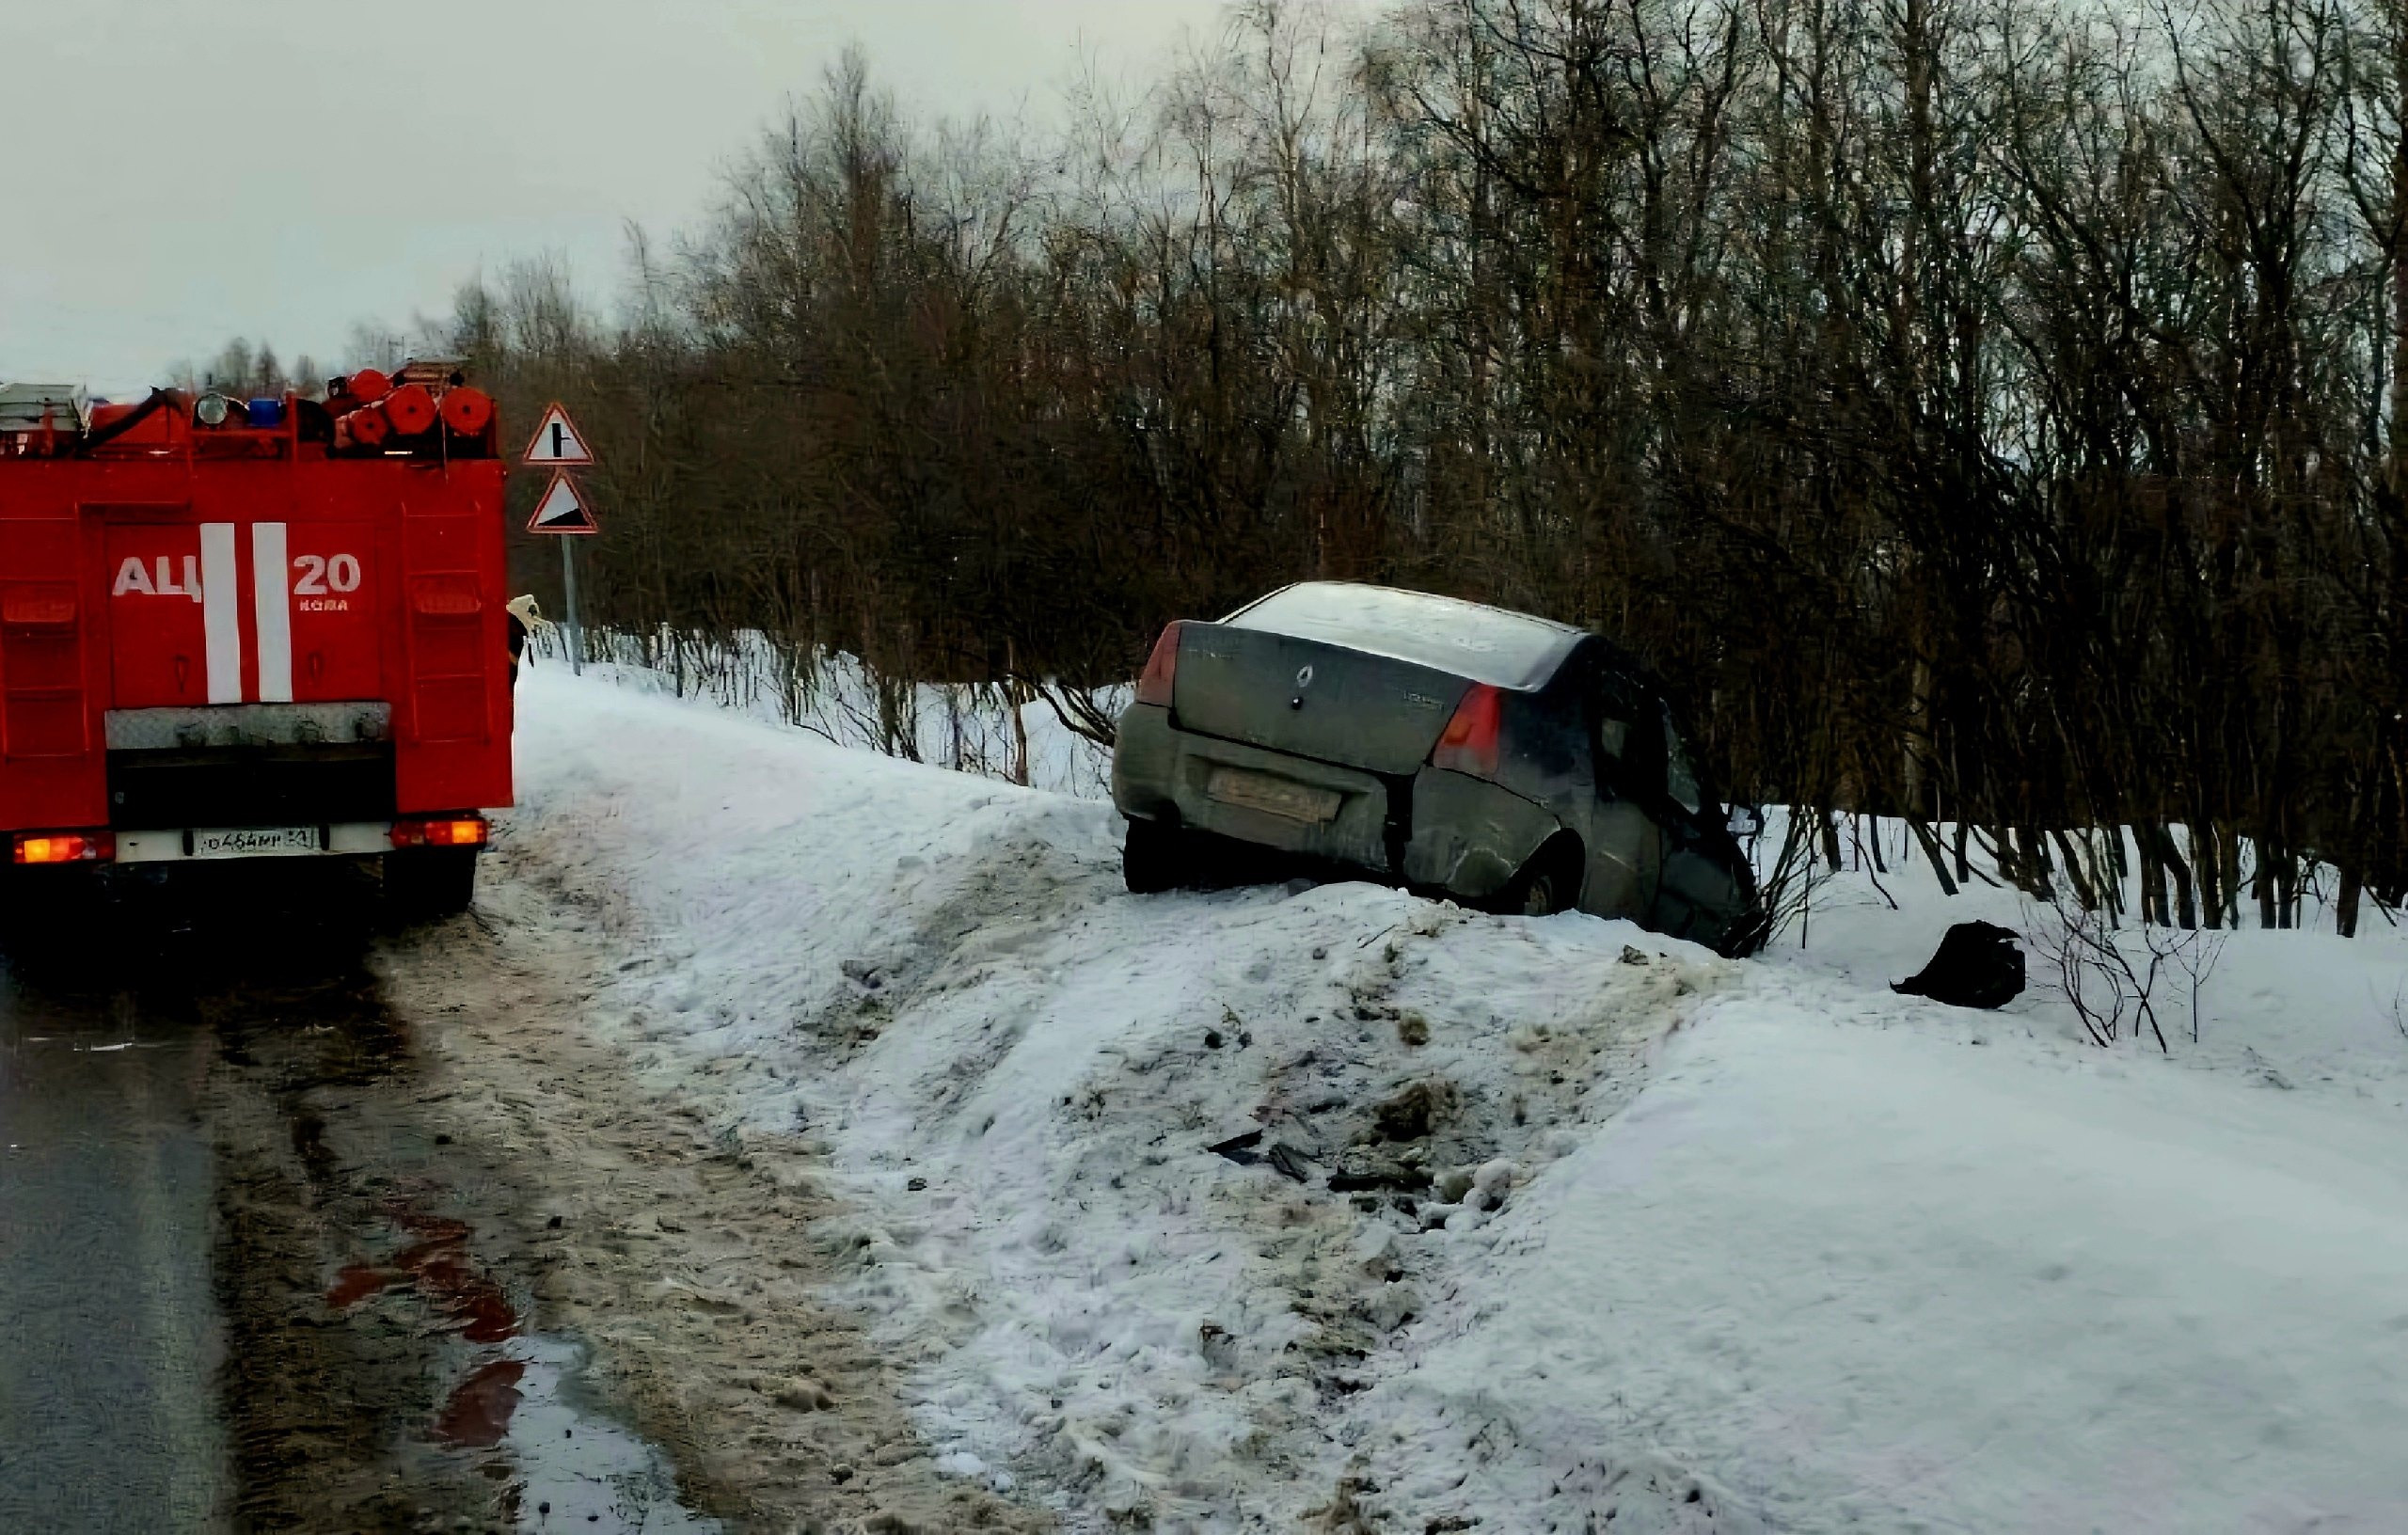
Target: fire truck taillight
65,848
460,831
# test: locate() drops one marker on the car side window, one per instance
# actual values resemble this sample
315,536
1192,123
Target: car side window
1680,777
1613,738
1621,735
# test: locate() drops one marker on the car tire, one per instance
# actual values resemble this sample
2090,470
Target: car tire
426,883
1548,884
1155,857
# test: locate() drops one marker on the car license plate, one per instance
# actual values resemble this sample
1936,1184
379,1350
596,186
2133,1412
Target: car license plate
255,841
1272,796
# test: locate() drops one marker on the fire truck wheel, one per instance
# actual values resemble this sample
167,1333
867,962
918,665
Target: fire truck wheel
430,882
42,902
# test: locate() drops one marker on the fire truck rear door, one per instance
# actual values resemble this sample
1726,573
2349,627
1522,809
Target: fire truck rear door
323,576
160,625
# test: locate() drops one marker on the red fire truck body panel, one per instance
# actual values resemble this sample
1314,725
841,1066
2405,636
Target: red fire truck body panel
307,637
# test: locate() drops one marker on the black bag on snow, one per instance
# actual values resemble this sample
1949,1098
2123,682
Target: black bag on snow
1978,965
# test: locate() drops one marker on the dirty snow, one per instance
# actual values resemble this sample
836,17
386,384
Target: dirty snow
1704,1245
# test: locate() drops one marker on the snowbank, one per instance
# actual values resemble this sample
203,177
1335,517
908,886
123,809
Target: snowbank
970,728
1704,1245
1849,1275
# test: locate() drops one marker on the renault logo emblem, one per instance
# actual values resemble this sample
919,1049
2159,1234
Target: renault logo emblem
1304,676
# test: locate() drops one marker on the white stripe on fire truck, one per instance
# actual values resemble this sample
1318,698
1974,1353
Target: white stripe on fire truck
220,609
272,604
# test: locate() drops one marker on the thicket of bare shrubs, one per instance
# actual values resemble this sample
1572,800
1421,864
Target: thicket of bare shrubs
1979,412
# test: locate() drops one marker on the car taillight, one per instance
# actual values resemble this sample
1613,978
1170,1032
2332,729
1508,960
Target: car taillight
66,848
449,831
1468,744
1162,667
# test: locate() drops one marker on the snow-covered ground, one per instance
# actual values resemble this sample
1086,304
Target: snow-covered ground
835,697
1707,1245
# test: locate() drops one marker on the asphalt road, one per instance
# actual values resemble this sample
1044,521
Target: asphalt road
245,1284
109,1335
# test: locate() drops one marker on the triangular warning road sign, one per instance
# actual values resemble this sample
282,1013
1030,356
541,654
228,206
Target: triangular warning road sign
563,509
557,442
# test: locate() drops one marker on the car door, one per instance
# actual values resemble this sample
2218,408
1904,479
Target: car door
1624,841
1701,893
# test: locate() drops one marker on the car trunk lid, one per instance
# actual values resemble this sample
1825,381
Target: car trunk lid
1308,698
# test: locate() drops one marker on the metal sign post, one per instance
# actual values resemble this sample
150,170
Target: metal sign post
563,510
568,591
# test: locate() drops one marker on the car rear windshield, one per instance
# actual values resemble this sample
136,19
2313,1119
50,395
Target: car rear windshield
1466,638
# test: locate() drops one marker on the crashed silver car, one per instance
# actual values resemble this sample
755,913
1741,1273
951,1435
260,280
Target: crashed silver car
1494,758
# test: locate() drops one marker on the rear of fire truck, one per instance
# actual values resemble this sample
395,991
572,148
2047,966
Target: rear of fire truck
255,629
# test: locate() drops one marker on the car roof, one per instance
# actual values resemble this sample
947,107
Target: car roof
1494,645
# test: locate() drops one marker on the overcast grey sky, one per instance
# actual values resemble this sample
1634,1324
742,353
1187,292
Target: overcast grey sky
180,172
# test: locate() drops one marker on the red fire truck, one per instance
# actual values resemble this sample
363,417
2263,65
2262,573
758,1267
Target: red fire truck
255,629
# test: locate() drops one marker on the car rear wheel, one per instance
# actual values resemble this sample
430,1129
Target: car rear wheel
1549,884
1156,857
424,884
1539,896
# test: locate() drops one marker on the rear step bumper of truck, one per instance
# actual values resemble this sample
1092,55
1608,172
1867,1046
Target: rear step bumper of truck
178,845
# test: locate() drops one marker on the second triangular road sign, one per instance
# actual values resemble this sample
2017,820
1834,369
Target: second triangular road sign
557,442
563,509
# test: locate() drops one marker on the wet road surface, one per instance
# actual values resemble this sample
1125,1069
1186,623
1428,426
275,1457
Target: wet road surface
244,1283
108,1334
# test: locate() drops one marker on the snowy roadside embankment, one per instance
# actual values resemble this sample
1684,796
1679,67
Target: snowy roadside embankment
1618,1228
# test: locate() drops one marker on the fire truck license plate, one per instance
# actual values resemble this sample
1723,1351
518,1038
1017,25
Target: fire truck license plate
253,841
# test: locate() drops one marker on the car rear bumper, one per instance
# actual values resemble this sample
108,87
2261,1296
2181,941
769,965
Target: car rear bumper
1443,832
1314,809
